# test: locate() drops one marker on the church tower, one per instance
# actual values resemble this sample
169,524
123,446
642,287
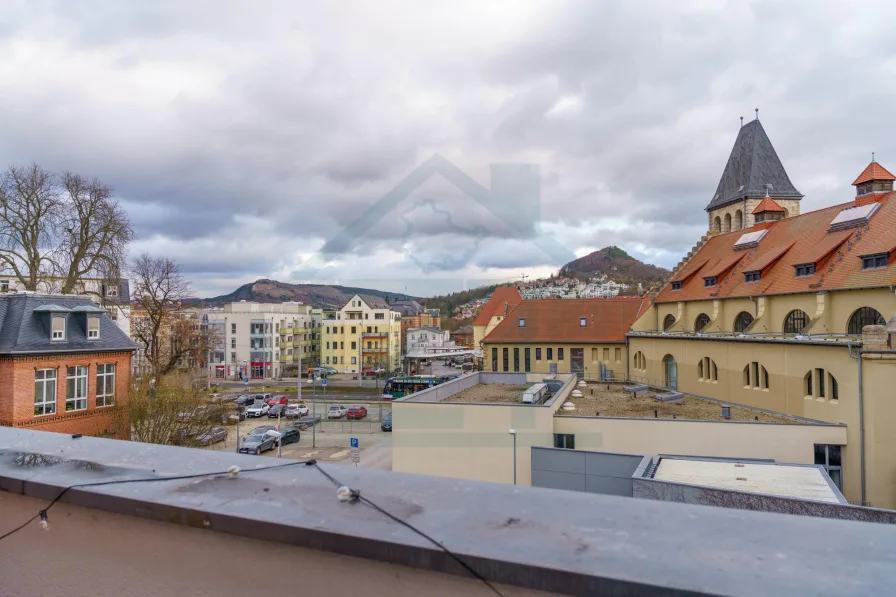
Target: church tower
752,173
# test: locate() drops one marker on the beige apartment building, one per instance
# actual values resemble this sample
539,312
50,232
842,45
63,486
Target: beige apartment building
365,332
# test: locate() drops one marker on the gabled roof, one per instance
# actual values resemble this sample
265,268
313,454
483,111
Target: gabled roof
752,165
805,238
463,330
767,204
373,302
558,320
495,305
407,308
874,171
24,327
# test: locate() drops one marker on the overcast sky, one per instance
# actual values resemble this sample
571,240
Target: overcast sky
267,139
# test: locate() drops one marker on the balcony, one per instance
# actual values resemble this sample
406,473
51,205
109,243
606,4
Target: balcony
382,350
375,335
521,539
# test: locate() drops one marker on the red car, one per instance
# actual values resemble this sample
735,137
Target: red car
356,412
278,400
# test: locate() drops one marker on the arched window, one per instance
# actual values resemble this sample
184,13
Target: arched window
701,322
726,224
640,361
707,370
795,322
717,224
738,220
670,379
821,385
742,321
862,317
755,376
668,322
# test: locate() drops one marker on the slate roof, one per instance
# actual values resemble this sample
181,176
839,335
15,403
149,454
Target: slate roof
806,238
24,326
495,305
374,302
874,171
463,330
752,164
558,320
407,308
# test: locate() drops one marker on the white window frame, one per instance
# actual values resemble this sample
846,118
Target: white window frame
4,285
47,402
77,374
54,331
105,389
93,333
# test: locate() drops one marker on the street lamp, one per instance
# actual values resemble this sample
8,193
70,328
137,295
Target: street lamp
512,432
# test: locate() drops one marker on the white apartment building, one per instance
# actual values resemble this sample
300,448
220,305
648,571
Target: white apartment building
259,339
421,339
115,298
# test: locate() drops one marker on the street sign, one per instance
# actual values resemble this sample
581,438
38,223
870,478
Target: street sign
356,451
323,381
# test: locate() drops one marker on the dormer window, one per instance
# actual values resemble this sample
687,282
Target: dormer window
93,328
582,322
876,261
752,276
58,329
804,270
676,285
710,281
522,322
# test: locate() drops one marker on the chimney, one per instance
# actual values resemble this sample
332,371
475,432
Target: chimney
505,307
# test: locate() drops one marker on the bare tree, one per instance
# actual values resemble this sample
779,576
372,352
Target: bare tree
29,201
169,410
68,227
169,335
93,232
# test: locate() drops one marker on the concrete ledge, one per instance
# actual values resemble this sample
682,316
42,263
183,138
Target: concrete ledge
565,542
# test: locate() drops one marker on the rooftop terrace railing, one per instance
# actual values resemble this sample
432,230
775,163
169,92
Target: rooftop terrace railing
556,541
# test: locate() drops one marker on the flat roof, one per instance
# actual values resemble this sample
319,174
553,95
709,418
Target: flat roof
616,402
786,480
491,393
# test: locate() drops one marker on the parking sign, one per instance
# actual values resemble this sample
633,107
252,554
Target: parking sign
354,442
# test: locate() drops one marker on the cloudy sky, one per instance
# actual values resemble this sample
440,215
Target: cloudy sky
366,143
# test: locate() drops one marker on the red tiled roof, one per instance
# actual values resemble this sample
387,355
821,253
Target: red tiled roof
724,264
874,171
767,258
690,269
558,320
807,239
495,305
767,204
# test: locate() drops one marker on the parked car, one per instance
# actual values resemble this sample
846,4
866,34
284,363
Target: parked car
214,435
244,399
324,371
257,443
239,415
369,372
289,435
262,428
336,412
259,409
276,410
356,412
278,400
296,411
386,425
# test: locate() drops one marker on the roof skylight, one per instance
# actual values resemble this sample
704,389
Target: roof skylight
854,216
750,239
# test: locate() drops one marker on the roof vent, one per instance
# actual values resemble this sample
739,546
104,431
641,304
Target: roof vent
750,239
854,216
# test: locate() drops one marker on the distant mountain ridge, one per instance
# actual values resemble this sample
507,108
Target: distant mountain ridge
318,295
617,265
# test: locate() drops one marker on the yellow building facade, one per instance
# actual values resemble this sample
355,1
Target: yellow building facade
364,333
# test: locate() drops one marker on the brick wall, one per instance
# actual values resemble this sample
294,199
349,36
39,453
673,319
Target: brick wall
17,392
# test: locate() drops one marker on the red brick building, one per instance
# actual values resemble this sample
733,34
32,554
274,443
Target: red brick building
64,364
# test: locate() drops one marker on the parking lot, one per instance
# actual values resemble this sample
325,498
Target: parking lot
330,441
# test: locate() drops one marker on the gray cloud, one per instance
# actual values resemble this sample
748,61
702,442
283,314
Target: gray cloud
242,140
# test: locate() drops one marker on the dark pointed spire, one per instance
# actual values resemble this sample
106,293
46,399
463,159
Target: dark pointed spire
752,165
